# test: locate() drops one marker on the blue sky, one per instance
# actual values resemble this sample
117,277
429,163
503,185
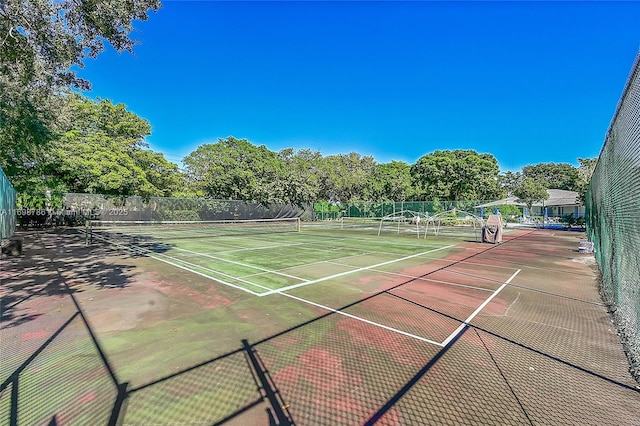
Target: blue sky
529,82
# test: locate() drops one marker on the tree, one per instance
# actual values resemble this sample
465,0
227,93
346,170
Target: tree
553,176
393,181
40,40
164,178
346,178
509,181
301,180
531,191
26,124
102,150
236,169
585,171
456,175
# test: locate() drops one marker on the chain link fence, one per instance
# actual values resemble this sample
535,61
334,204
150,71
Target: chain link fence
72,209
328,211
613,222
7,207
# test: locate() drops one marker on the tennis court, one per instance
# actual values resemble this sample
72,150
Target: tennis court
269,257
316,323
264,257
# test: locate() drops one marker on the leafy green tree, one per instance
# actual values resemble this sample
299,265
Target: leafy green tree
553,175
456,175
398,186
507,211
40,40
392,181
102,150
531,191
24,129
585,171
163,176
509,181
346,178
301,179
236,169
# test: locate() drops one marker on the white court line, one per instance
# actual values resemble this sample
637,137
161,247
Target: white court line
260,248
204,268
240,264
361,319
470,287
156,257
305,265
366,321
466,262
341,274
477,311
323,238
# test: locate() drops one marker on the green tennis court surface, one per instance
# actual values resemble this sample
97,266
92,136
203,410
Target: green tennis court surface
321,324
262,258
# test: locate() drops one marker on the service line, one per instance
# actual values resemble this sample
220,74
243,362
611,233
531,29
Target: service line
353,271
477,311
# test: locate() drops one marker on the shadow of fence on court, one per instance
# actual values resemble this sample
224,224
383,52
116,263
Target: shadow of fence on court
256,383
39,391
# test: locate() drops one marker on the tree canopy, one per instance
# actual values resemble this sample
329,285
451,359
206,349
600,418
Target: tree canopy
456,175
553,175
530,191
301,180
236,169
345,177
103,151
100,148
585,171
393,182
40,41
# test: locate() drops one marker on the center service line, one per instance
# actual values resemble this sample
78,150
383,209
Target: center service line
341,274
477,311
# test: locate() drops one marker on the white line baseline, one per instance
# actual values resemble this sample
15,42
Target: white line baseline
477,311
341,274
361,319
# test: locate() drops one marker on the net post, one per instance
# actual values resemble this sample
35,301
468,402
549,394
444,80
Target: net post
299,224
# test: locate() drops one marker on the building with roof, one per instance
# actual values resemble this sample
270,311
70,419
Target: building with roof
559,203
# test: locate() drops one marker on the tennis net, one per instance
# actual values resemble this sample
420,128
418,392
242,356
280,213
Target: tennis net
173,230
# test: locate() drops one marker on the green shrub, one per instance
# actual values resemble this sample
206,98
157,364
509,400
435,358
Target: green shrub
568,219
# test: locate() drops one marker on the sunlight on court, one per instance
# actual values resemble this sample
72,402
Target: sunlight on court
327,268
